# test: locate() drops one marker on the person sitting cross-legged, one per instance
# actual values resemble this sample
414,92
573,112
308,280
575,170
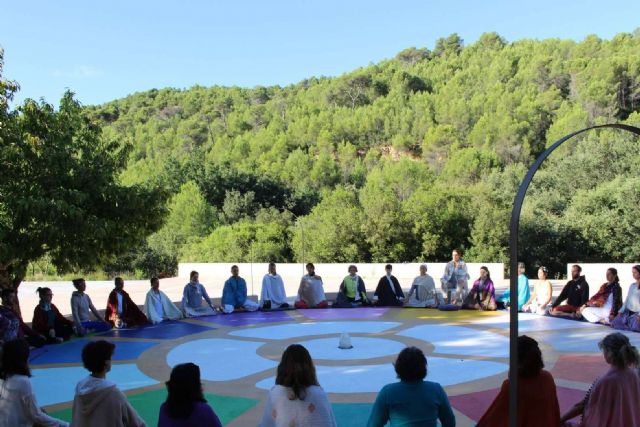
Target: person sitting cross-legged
11,325
311,291
352,292
193,295
575,293
121,311
423,291
157,305
273,294
412,402
48,321
97,401
628,318
388,292
541,295
234,294
483,294
81,307
603,307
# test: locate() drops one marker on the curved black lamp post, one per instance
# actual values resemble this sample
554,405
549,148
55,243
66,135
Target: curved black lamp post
513,262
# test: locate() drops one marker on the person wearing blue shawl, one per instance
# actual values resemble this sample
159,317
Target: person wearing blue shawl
524,293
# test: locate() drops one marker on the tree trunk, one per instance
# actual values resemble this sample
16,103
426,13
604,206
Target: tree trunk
11,275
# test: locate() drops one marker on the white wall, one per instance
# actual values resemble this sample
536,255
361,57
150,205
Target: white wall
213,275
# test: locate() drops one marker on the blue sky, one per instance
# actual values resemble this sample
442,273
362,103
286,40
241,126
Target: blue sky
106,50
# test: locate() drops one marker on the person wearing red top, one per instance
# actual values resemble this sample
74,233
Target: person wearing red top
48,321
537,399
121,311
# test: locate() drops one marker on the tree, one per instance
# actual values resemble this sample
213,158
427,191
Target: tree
59,190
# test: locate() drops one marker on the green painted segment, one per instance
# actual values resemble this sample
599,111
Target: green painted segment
147,405
352,414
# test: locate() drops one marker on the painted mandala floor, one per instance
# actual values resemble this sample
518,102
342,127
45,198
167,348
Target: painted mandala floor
238,353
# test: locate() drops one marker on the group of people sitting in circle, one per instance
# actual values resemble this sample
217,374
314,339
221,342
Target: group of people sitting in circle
50,326
297,399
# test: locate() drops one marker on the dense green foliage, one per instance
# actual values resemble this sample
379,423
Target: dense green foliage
60,195
401,160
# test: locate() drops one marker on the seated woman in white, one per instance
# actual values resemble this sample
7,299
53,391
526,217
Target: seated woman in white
192,297
273,294
541,295
158,306
297,400
603,307
423,291
311,291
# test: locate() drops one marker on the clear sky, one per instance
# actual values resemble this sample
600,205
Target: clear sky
106,50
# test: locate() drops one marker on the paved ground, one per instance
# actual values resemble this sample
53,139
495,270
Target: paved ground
467,353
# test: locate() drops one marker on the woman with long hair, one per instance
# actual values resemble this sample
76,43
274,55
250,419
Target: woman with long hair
613,398
185,404
603,307
483,293
297,400
18,405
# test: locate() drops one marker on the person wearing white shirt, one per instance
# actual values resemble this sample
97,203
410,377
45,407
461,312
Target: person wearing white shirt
18,405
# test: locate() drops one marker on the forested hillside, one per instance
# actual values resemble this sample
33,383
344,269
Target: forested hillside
397,161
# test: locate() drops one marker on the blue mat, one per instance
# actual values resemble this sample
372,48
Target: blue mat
162,331
71,352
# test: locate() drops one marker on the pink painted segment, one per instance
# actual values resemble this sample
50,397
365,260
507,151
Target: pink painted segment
582,368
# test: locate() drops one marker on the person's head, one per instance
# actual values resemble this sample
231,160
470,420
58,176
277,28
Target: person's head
45,294
455,255
15,359
184,389
635,271
575,271
8,297
423,269
612,275
155,283
296,371
521,268
272,268
79,284
311,269
484,273
411,365
194,276
235,270
353,270
96,356
529,357
543,273
618,351
388,269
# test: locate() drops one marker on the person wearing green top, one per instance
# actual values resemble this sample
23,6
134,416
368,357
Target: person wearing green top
352,291
412,402
524,293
